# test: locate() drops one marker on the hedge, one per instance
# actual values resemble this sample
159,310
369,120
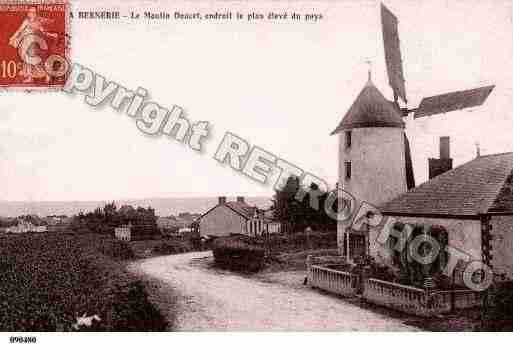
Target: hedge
235,254
301,241
503,295
173,247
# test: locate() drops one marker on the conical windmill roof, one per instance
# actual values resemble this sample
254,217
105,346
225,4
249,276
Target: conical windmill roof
370,109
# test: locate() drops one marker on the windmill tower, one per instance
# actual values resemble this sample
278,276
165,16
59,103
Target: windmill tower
374,155
374,158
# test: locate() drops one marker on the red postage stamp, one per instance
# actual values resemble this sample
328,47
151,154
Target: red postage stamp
34,43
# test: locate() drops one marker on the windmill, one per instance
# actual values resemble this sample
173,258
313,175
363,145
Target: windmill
433,105
375,162
374,156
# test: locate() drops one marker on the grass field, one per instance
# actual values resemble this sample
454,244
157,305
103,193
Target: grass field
49,279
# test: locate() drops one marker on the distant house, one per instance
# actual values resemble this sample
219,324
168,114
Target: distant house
186,217
181,223
232,217
168,225
185,230
57,223
123,233
24,226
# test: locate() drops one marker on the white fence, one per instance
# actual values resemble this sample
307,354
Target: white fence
408,299
331,280
419,301
463,299
404,298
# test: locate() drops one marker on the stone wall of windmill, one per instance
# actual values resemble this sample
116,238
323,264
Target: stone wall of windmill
376,158
372,158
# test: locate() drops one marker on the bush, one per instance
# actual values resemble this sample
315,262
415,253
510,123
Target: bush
117,249
201,244
235,254
302,241
503,299
173,247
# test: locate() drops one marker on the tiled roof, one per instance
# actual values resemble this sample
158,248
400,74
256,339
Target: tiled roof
242,208
483,185
370,109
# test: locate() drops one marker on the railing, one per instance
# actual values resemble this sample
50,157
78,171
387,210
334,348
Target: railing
334,281
461,298
402,297
408,299
419,301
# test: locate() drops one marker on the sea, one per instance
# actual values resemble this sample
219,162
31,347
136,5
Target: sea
163,206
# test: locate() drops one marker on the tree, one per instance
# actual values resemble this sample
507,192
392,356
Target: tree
293,208
104,220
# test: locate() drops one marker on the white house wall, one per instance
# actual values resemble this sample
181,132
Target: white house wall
222,221
464,235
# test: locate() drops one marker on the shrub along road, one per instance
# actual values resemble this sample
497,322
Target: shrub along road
216,300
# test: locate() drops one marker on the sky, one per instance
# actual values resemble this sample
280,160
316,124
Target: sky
282,86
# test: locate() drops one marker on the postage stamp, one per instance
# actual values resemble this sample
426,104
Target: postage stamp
34,42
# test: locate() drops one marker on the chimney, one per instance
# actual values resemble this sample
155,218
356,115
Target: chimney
445,152
240,199
222,200
437,166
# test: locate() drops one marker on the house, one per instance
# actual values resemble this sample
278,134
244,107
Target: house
185,230
57,223
168,225
123,233
232,217
24,226
177,224
187,217
472,203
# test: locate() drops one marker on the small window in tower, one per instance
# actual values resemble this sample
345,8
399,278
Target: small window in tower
348,170
348,139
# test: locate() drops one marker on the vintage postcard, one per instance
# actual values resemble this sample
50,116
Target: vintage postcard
255,166
34,42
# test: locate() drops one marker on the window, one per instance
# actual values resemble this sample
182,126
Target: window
348,139
348,170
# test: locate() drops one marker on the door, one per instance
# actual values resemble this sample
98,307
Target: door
356,244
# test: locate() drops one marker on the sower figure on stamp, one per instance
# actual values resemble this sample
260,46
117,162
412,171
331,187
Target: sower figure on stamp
33,25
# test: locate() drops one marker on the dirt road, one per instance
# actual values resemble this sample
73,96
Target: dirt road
217,300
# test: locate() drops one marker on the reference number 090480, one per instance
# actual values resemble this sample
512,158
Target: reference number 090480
23,340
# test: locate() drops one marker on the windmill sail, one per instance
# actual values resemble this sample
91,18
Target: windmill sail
393,53
453,101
